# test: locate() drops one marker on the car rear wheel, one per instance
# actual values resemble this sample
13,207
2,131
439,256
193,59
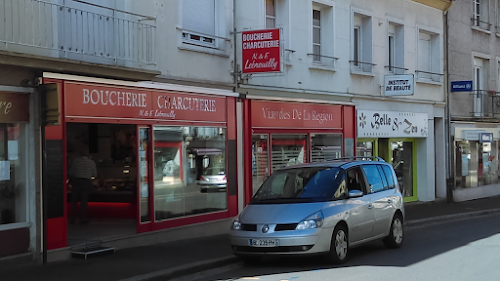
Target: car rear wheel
395,237
339,245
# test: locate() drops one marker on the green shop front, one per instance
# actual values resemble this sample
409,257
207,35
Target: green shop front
398,138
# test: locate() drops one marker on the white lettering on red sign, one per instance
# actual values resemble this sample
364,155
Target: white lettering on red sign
114,98
261,51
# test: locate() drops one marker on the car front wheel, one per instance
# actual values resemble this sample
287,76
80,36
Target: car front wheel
339,245
395,237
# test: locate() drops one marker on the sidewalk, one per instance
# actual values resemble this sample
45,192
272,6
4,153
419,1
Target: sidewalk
187,256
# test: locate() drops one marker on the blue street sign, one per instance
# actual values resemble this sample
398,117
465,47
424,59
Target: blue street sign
461,86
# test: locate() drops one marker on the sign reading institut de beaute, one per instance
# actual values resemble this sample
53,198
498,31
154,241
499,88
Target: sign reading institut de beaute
85,100
261,51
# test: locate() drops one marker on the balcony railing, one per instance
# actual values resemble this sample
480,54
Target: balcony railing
77,30
478,104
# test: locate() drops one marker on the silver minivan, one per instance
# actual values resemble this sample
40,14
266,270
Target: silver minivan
321,208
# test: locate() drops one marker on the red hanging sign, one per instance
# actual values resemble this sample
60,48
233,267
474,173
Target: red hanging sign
261,51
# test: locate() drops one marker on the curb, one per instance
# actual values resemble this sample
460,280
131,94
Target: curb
186,269
415,223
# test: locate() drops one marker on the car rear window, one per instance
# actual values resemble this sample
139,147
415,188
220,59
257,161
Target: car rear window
299,183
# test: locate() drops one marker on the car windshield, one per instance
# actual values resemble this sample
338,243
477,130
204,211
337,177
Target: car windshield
298,184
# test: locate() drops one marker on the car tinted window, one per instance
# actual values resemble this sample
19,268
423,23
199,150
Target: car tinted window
355,180
374,179
389,176
298,183
382,175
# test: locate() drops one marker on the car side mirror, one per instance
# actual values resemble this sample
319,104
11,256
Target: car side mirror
355,193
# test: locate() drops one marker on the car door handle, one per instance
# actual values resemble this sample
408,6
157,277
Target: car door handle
370,206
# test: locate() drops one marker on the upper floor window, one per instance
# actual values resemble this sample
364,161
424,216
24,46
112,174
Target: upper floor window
480,14
316,34
429,57
362,43
270,13
395,49
199,22
480,78
498,18
322,36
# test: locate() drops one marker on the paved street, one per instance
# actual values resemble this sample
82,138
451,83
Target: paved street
459,250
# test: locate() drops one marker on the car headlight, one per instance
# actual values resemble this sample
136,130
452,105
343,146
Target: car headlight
313,221
236,225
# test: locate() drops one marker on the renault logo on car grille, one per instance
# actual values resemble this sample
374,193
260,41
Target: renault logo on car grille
265,228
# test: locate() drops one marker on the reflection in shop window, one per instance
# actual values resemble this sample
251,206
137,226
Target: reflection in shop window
325,147
288,150
477,163
260,161
189,171
12,174
364,148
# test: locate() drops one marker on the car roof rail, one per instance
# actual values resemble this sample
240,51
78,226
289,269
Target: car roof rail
369,158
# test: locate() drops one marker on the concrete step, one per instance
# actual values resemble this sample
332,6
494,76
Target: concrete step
90,249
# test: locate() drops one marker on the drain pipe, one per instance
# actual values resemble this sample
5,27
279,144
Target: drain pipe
450,173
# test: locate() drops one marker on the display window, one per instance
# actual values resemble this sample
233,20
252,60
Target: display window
477,163
189,171
288,150
366,148
12,173
325,147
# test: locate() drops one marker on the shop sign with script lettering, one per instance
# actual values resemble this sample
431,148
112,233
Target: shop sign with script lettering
14,107
391,124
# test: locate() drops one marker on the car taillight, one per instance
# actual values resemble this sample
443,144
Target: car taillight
224,178
202,178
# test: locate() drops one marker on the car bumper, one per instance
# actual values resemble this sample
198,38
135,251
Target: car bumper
311,242
205,187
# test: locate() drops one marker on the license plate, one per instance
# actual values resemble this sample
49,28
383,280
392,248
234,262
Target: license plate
264,242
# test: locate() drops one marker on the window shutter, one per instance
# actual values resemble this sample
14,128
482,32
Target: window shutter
424,52
199,15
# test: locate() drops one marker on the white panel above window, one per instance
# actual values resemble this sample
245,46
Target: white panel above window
199,15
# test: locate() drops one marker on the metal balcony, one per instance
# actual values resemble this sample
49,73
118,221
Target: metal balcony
77,30
438,4
479,104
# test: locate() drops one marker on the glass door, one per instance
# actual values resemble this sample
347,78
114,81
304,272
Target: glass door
404,162
143,179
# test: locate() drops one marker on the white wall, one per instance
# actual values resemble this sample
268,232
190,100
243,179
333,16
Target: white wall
300,72
183,61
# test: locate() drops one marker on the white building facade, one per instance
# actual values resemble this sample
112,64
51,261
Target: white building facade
341,53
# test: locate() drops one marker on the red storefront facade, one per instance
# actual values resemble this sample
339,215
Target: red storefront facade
282,133
154,147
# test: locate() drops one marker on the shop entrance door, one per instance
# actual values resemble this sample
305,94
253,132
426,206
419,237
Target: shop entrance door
404,162
144,174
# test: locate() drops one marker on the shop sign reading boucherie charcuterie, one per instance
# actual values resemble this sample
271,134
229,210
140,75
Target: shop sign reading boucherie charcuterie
261,51
90,100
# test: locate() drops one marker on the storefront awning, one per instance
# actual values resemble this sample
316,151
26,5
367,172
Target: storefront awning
206,151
